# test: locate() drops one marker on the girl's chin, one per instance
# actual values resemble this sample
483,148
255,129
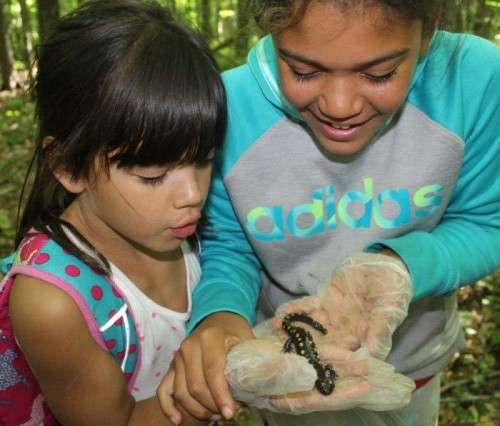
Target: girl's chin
342,148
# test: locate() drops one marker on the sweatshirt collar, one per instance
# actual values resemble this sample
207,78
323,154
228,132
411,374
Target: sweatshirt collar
263,65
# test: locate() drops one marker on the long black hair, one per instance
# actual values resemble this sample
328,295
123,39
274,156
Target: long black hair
119,81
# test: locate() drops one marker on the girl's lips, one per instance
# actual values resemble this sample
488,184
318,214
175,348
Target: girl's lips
184,231
339,135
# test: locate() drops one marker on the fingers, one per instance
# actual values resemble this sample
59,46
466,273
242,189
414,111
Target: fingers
333,353
195,374
213,366
347,341
350,390
347,394
378,336
189,392
304,305
318,315
353,369
343,362
165,396
199,386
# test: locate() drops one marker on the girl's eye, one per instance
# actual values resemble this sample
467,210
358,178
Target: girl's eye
380,79
155,180
303,76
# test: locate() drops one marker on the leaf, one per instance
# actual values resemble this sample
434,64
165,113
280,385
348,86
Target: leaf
495,337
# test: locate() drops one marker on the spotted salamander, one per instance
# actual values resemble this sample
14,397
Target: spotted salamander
301,342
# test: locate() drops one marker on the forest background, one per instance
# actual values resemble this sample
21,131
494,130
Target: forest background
471,385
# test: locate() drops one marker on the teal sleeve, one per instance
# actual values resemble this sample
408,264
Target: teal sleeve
230,279
465,245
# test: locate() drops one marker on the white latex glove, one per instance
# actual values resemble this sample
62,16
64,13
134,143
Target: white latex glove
366,300
259,367
262,376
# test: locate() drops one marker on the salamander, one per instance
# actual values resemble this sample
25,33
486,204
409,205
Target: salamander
300,341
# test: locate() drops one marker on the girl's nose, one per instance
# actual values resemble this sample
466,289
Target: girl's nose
188,192
340,99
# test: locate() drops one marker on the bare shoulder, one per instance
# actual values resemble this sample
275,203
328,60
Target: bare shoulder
75,374
40,310
49,328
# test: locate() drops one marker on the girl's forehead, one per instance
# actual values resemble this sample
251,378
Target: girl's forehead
331,19
328,33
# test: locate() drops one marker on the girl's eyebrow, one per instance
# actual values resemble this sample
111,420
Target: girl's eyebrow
286,54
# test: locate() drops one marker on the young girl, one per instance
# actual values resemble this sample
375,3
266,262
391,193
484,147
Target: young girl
354,126
131,109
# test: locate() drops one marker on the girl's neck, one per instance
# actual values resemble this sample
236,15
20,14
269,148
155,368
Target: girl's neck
145,269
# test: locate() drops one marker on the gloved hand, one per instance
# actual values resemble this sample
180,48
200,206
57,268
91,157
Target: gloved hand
262,376
366,300
259,367
364,382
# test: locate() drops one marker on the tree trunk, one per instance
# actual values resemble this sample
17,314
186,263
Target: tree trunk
5,50
453,15
482,26
243,20
171,6
27,39
205,26
48,12
217,19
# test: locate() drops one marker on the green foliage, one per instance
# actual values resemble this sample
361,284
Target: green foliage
470,393
17,131
471,384
222,25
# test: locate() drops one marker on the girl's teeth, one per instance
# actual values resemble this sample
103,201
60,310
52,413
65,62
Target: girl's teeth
341,127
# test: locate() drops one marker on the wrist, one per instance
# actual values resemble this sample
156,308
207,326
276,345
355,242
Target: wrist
228,321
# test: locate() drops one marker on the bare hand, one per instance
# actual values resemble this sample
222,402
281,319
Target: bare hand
196,379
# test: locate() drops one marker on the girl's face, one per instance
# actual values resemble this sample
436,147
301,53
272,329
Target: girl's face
347,72
152,209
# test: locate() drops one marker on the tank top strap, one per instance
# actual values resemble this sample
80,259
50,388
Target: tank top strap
102,304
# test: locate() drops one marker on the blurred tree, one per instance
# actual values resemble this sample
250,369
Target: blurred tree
204,18
243,21
26,38
48,12
483,21
5,48
172,6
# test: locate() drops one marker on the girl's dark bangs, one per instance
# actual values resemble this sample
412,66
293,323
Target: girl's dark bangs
172,106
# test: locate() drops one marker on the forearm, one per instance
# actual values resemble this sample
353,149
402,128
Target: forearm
237,295
454,254
230,322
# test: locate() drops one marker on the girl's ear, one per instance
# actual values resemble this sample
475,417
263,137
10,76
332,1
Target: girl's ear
75,186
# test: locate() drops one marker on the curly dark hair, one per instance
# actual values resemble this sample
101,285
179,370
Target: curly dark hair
273,16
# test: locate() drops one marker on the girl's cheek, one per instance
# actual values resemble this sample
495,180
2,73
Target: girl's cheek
299,97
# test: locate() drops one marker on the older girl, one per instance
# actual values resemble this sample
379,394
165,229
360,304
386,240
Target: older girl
354,126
